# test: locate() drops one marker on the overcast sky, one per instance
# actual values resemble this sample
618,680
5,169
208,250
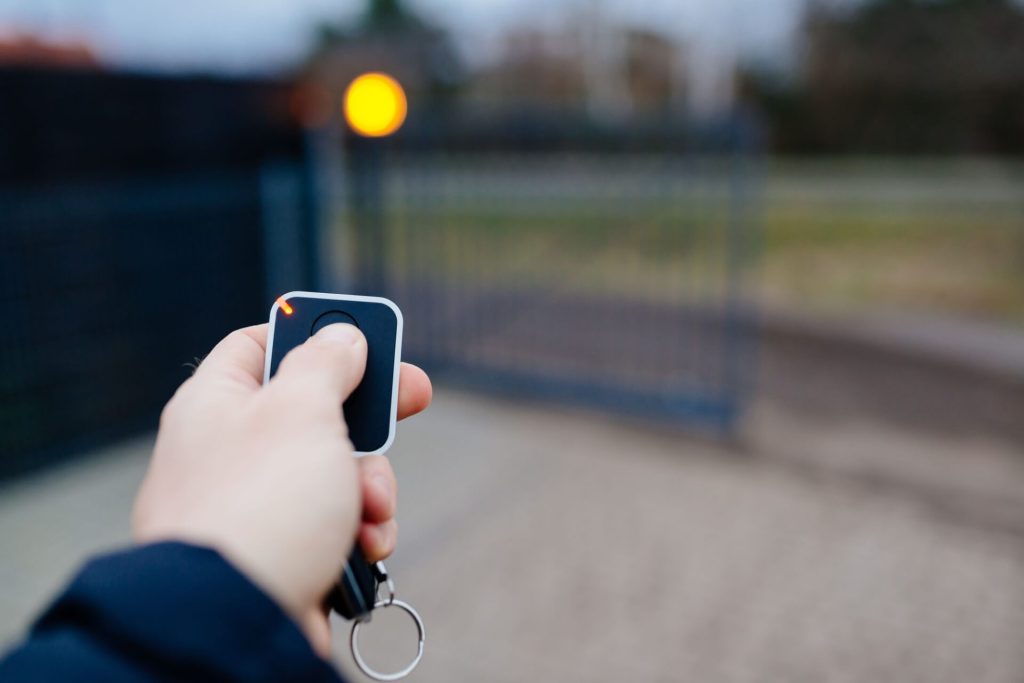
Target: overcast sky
270,35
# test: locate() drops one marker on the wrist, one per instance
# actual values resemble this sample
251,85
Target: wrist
189,607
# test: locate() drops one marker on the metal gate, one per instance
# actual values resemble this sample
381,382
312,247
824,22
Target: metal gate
612,278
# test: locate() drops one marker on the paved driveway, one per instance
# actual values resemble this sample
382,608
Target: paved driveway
546,544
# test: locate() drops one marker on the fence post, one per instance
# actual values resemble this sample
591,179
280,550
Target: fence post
365,176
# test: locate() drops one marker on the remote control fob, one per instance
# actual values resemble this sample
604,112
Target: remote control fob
370,412
355,594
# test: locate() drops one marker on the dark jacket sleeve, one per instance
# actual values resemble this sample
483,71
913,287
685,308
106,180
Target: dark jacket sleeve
164,612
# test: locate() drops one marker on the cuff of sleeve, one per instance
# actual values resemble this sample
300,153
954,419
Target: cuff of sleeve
188,610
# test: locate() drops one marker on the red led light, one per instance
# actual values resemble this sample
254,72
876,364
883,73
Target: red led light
285,306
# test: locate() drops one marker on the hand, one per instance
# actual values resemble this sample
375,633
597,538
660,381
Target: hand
265,475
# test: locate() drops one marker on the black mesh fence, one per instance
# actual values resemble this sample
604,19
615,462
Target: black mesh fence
108,292
135,215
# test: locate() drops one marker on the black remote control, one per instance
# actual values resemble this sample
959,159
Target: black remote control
370,412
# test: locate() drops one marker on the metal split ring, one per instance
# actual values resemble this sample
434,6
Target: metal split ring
354,641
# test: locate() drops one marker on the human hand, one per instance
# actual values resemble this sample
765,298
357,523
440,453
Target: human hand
265,475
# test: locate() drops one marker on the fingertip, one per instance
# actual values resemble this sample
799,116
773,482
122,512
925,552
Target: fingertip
379,501
378,541
415,391
378,487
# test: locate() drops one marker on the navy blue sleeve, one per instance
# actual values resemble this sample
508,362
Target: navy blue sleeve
164,612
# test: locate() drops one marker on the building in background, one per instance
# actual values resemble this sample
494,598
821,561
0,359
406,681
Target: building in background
609,72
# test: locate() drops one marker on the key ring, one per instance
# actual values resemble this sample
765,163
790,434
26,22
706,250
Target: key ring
390,601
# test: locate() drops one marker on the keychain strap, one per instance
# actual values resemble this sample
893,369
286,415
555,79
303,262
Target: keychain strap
384,580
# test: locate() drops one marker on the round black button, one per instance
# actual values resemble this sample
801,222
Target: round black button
330,318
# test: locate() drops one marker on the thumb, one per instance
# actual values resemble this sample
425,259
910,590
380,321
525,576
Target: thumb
331,364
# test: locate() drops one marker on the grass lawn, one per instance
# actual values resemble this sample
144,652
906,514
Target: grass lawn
940,237
925,236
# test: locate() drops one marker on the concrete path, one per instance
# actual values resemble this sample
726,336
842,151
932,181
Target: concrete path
545,544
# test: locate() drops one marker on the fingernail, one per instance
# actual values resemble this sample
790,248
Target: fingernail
339,332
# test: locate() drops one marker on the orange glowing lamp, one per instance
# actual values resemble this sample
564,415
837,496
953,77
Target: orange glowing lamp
375,105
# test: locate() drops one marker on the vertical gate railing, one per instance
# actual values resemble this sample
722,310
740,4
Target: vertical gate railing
610,278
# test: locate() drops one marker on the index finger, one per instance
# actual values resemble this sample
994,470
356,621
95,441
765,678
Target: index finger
238,358
414,391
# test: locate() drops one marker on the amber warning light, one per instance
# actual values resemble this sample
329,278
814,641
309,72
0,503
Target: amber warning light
375,105
285,306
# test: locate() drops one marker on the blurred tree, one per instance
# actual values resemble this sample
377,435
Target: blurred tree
389,37
903,76
389,15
